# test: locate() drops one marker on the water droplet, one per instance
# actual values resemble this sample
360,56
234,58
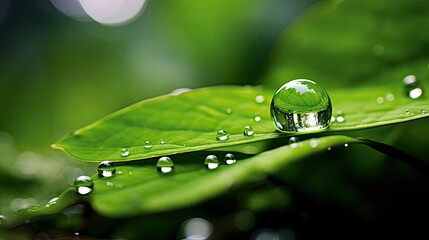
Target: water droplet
162,141
165,165
293,142
125,152
340,117
380,100
346,145
301,105
221,135
390,97
109,184
422,111
332,118
51,202
259,99
147,144
230,158
257,119
412,87
211,162
407,112
229,110
329,148
83,185
106,169
248,131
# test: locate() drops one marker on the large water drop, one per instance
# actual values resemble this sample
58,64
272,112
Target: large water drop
248,131
301,105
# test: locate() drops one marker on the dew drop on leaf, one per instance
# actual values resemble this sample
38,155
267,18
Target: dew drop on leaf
422,111
83,185
147,144
106,169
380,100
412,87
248,131
230,158
51,202
162,141
211,162
301,105
340,117
314,143
165,165
221,135
293,142
346,145
125,152
407,112
257,119
228,110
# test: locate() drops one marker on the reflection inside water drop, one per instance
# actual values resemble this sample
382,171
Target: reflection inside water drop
301,105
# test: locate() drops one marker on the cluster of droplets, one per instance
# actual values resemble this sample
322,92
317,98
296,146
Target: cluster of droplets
212,162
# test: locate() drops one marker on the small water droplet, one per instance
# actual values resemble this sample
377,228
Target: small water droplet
51,202
407,112
248,131
162,141
147,144
333,119
257,119
106,169
390,97
125,152
346,145
83,185
380,100
229,110
109,184
412,87
259,99
230,158
221,135
211,162
340,117
165,165
422,111
293,142
329,148
301,105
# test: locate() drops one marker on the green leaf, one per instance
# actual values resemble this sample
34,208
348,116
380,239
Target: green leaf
189,121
